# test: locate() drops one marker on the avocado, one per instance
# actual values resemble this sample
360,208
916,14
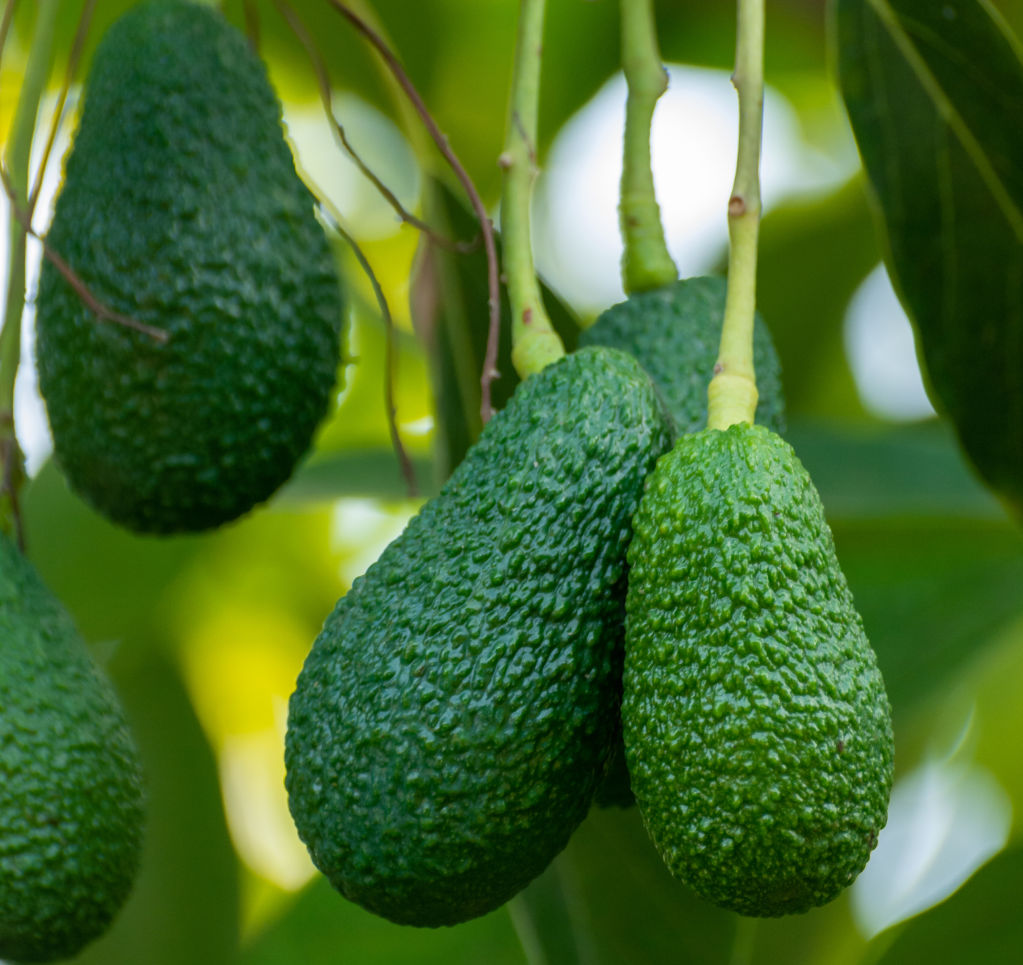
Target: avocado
455,714
757,728
181,209
71,799
675,333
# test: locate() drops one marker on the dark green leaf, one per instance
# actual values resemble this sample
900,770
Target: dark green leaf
935,95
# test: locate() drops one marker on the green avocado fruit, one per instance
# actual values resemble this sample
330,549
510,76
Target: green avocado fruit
181,209
455,715
675,332
757,729
71,799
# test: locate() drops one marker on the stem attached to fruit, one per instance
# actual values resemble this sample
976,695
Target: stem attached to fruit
535,344
646,263
732,393
17,158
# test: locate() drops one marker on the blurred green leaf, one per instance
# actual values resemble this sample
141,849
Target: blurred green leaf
935,95
979,923
450,313
184,907
878,472
321,926
107,577
933,563
814,254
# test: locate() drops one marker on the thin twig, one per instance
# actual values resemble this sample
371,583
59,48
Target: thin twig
327,97
101,311
490,372
391,360
58,113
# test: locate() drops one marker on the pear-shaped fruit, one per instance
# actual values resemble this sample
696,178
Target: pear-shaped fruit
181,209
757,729
455,715
71,801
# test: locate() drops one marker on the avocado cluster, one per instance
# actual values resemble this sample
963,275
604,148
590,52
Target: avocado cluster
675,332
181,209
71,797
456,713
757,729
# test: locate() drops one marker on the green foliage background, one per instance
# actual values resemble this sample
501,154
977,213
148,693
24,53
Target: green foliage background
204,635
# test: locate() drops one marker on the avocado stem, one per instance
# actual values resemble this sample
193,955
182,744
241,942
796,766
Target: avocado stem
535,344
732,394
646,262
16,179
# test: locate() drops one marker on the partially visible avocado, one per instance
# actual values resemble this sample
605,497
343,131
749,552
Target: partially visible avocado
71,799
757,729
675,332
455,715
181,209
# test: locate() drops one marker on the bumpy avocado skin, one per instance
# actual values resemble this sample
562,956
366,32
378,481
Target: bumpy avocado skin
71,801
454,717
181,208
757,729
675,333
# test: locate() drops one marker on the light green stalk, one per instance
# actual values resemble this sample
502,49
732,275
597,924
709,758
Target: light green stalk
16,162
732,393
646,263
535,344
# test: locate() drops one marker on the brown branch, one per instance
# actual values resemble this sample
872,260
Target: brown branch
391,361
327,97
101,311
58,112
490,371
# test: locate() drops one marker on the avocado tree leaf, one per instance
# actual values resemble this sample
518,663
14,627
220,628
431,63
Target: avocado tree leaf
450,314
935,95
934,565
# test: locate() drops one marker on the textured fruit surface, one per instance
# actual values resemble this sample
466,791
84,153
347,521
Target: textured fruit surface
454,716
675,333
181,208
757,729
71,807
